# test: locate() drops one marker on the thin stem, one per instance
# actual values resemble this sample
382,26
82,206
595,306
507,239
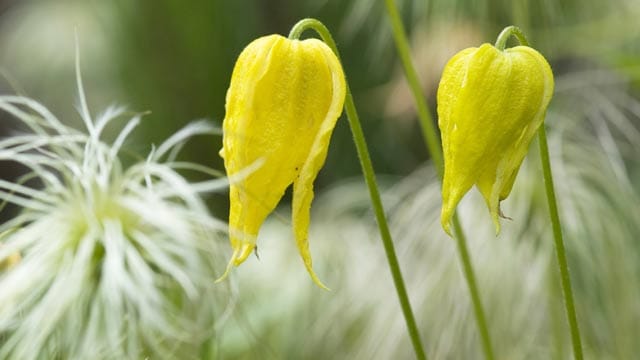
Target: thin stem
433,145
426,122
473,288
370,179
565,278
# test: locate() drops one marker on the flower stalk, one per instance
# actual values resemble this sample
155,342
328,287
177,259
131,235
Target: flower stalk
563,267
561,256
435,150
374,193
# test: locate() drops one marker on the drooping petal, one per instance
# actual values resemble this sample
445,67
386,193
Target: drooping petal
303,185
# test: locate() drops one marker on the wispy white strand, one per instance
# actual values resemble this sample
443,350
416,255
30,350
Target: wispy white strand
163,259
612,152
32,121
201,127
211,185
49,119
122,136
23,143
181,165
84,108
112,112
613,107
146,175
28,204
27,192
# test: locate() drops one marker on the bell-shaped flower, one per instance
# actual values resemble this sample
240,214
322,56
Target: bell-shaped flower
490,105
282,105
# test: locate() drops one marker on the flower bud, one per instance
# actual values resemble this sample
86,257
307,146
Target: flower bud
490,105
282,105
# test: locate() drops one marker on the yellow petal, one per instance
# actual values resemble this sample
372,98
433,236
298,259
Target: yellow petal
303,185
282,105
490,104
451,84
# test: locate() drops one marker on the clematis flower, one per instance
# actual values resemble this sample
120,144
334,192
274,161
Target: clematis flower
281,107
490,105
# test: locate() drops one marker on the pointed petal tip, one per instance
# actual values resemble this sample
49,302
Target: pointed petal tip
496,221
446,226
228,269
242,253
315,279
445,221
223,277
306,258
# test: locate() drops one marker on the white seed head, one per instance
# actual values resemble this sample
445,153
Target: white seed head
115,261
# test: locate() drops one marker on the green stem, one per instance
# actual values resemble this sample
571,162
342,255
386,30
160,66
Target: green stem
501,43
424,116
473,288
561,255
433,145
374,193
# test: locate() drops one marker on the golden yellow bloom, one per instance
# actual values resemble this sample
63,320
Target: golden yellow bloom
490,105
282,105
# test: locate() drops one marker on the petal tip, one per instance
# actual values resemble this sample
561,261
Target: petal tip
316,280
228,269
495,216
306,258
445,220
446,226
243,253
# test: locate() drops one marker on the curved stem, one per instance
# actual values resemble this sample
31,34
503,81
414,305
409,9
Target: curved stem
563,267
561,256
434,147
501,43
374,193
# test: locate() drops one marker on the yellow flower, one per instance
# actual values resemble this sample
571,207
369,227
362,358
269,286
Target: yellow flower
282,105
490,105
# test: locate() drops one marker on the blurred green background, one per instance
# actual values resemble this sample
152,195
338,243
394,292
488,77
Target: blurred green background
175,59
